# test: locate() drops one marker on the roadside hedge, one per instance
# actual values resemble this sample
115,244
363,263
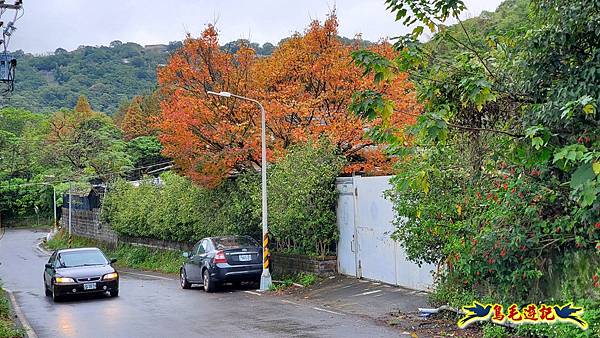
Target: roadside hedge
303,198
302,201
181,211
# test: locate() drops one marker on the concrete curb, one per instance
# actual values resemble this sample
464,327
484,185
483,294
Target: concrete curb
43,250
22,319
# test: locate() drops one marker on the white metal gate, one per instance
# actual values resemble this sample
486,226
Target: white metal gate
365,247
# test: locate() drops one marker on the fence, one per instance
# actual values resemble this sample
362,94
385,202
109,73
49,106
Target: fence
27,221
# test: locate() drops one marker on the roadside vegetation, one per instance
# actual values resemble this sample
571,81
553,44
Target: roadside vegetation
8,326
127,255
499,179
301,210
303,279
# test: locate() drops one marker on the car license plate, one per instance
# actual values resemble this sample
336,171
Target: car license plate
245,258
89,286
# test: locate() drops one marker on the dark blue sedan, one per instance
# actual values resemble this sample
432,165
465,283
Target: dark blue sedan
217,260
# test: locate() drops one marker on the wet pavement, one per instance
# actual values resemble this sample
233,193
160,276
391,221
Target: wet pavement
362,297
155,306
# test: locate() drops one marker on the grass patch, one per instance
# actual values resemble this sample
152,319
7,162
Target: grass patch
127,255
303,278
7,324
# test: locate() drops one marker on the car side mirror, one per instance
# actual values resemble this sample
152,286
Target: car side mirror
48,266
186,254
112,261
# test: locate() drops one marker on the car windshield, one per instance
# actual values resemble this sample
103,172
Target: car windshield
81,258
234,242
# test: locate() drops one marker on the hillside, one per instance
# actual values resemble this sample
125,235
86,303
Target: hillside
106,75
509,19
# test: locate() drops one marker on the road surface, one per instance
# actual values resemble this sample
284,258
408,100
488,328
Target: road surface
155,306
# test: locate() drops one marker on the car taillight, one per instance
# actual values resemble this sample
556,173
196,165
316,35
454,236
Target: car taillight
220,257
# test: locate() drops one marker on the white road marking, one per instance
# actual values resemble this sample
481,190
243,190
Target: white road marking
145,275
328,311
253,293
289,302
367,293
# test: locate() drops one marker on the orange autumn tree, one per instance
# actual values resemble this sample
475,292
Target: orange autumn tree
140,116
306,86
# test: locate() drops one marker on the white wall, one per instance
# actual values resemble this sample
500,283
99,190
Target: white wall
365,247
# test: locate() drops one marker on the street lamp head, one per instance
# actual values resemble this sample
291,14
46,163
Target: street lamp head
222,94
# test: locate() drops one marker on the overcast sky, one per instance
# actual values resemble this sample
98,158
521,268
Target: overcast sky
49,24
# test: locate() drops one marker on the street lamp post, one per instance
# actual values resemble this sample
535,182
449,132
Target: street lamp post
54,204
265,278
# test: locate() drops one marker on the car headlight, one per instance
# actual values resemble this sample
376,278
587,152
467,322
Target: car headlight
64,280
110,276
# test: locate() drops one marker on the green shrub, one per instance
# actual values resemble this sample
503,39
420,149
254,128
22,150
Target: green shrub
302,199
182,211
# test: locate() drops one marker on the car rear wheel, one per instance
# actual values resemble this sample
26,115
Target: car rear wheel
208,283
183,280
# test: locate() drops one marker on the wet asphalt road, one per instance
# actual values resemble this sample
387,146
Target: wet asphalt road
154,306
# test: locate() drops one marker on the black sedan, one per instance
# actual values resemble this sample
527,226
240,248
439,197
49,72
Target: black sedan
80,271
216,260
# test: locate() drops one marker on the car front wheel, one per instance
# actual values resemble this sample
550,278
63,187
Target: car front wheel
114,293
55,297
208,283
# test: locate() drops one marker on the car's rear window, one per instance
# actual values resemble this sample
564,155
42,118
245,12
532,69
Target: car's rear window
81,258
234,242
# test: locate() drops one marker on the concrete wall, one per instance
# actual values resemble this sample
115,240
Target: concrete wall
86,223
286,264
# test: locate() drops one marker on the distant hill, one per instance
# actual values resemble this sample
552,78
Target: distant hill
106,75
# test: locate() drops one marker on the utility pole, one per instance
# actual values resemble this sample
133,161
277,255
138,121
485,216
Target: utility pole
70,206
